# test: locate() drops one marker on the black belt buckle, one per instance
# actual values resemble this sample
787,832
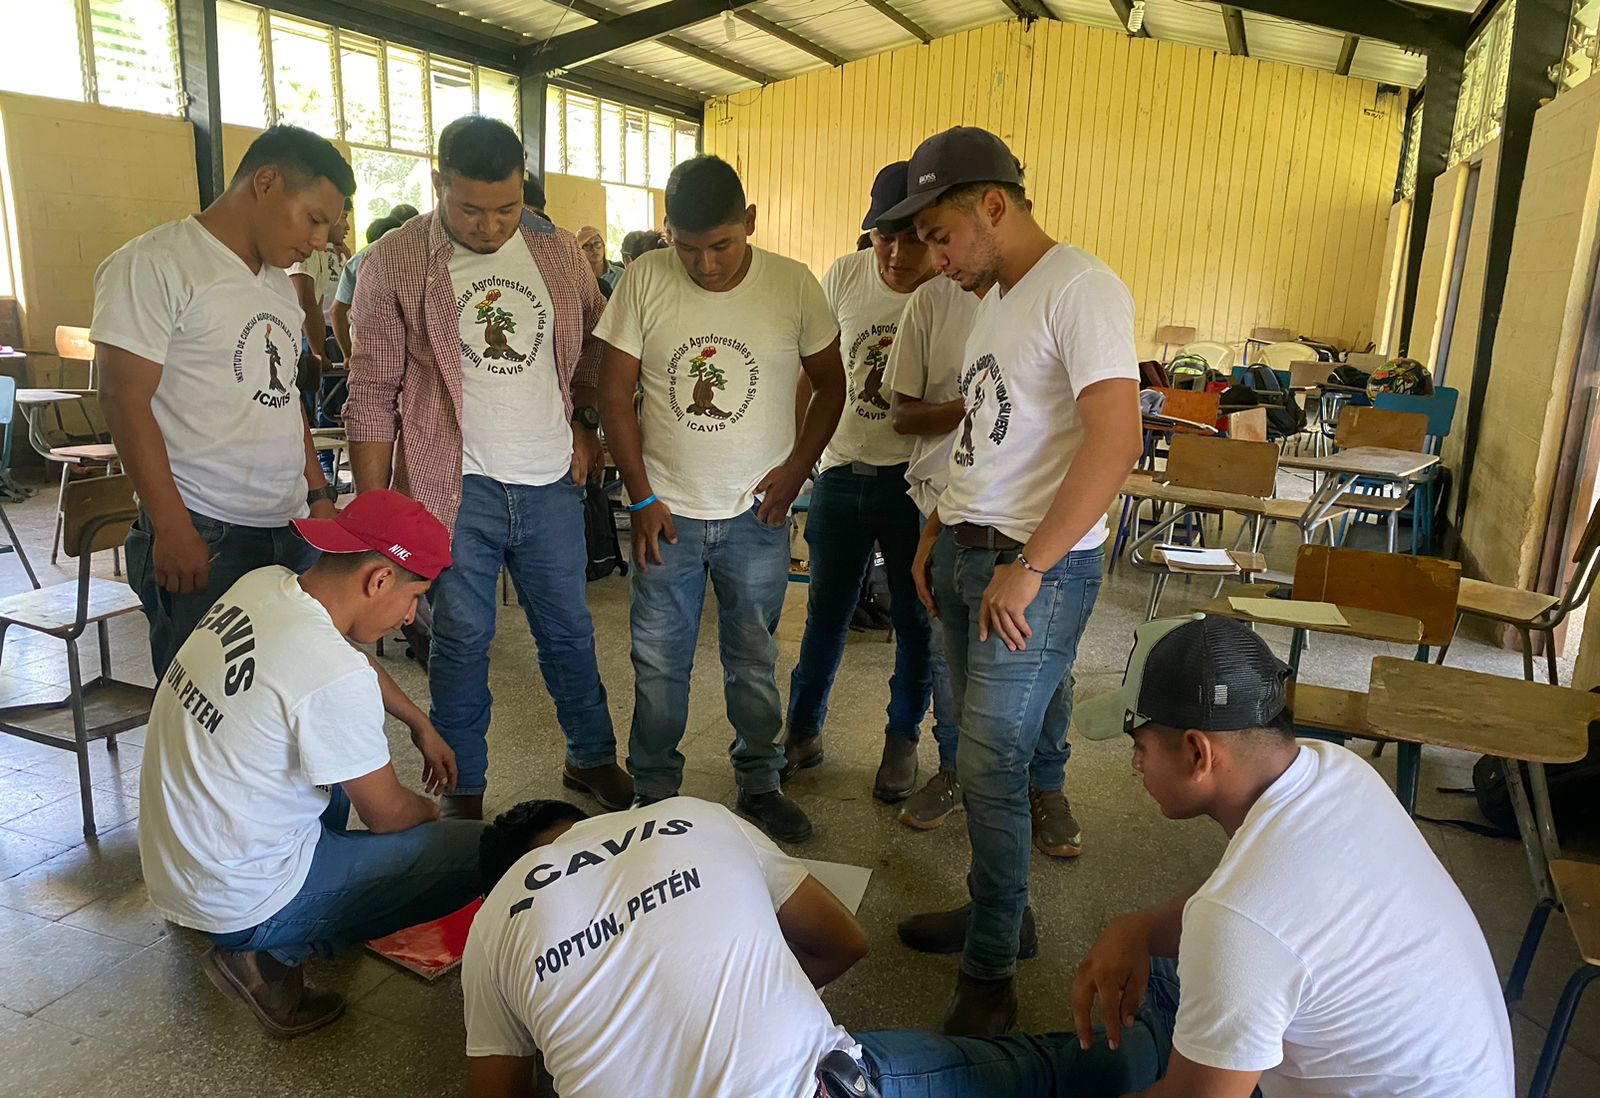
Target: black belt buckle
842,1077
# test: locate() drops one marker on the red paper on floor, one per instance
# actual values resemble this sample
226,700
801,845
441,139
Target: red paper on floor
432,949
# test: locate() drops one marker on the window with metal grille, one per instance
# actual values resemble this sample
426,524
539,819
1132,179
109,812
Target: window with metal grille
613,142
1582,54
123,53
1481,108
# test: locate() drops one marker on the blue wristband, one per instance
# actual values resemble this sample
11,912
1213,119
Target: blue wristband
642,504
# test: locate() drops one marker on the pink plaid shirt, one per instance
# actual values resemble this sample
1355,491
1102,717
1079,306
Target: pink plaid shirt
405,367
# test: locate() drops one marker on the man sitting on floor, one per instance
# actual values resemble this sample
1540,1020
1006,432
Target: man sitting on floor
266,728
1329,953
674,950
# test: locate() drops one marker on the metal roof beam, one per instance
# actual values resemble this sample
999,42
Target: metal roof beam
789,37
416,24
1233,23
590,10
904,21
1029,10
1391,20
591,43
1347,54
611,81
1124,10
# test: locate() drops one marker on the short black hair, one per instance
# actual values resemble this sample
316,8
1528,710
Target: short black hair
301,155
965,196
513,833
381,226
402,213
704,193
343,564
485,149
532,191
863,242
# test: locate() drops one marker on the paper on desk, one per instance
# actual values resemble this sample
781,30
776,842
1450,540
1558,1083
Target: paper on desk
1292,611
1197,558
848,882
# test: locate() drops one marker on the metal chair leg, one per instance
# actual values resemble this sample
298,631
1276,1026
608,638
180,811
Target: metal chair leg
1560,1026
1527,654
55,541
80,731
1444,648
1550,655
1408,772
103,634
1531,934
16,545
1158,584
1394,530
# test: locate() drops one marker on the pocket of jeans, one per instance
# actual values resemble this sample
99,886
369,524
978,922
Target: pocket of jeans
212,531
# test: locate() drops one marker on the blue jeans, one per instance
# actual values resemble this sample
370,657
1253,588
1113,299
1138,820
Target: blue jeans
537,533
1003,698
748,562
363,886
236,550
1047,771
919,1064
850,511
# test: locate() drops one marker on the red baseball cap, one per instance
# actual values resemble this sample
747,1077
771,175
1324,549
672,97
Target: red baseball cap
382,521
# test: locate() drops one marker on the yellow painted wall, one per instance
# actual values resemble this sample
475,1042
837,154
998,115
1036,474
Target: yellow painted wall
83,181
573,202
1462,364
1392,278
1438,259
1227,192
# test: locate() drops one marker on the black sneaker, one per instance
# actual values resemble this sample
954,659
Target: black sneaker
775,814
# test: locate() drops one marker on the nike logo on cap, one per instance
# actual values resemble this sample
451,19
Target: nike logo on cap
400,551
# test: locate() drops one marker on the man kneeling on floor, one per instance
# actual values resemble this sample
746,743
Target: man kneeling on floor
1329,953
266,728
674,950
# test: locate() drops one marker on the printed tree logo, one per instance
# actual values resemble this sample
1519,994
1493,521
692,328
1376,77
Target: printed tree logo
964,449
708,381
876,359
497,324
274,361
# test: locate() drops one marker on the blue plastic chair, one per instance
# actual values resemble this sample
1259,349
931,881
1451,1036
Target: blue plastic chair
8,411
1440,408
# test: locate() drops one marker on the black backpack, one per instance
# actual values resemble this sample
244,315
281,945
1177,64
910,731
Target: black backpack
1284,415
600,532
1574,787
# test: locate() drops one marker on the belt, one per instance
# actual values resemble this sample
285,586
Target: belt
863,469
969,535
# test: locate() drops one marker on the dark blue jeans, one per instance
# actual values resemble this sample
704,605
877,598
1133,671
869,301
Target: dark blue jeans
236,550
919,1064
850,511
363,886
1003,697
537,533
748,564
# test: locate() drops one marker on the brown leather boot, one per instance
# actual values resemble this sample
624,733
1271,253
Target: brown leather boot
981,1008
276,995
897,771
461,806
946,932
800,752
607,783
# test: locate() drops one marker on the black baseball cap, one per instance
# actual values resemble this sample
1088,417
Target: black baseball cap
888,189
1205,672
965,154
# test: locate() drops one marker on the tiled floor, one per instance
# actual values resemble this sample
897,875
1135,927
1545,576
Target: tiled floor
98,996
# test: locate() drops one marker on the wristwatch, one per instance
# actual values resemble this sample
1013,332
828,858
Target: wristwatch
327,492
587,416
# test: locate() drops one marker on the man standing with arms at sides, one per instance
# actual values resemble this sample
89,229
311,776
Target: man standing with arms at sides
473,344
1015,544
860,498
718,333
196,329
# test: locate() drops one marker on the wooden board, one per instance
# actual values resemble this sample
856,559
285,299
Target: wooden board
55,608
1249,425
1148,488
1423,588
1223,465
1366,624
1329,708
1366,461
1578,884
1490,600
1487,714
1191,405
1381,427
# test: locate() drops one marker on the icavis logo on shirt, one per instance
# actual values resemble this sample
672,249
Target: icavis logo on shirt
498,315
977,381
869,355
715,378
249,349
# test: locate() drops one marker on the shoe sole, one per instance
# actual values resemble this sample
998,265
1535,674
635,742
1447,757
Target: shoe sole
1058,851
791,769
224,982
797,837
933,823
894,796
582,787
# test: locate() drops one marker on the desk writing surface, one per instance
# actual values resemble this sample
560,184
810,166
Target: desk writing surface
1366,624
1367,461
1489,714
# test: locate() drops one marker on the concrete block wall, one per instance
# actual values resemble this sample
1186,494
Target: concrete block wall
84,180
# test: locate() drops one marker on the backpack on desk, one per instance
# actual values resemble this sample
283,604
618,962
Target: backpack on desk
1574,787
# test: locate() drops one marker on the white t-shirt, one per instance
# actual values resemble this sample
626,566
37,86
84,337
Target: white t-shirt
867,312
719,373
925,364
324,269
1065,326
264,707
1331,951
513,422
227,341
641,954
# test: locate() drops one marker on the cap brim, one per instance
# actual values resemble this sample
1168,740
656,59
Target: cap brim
913,205
1104,717
328,536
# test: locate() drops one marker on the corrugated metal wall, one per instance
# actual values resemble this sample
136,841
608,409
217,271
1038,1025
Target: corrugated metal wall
1227,192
